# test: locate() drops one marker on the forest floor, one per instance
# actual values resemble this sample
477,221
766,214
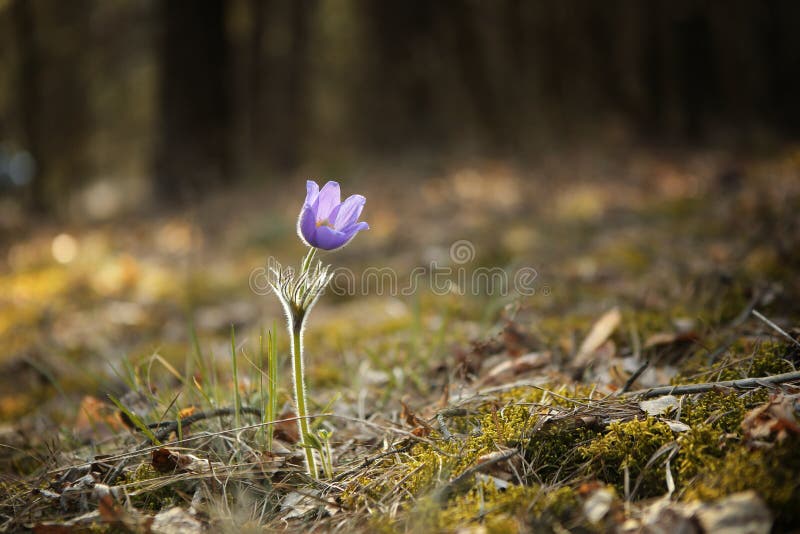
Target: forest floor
455,407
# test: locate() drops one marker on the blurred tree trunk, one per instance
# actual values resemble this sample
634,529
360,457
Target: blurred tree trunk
29,89
781,55
398,106
295,124
192,152
469,54
275,72
255,85
52,40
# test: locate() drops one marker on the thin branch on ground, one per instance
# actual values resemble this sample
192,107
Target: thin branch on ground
165,428
634,377
462,479
775,327
691,389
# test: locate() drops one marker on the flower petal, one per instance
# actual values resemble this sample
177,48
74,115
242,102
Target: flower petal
329,239
355,228
348,212
329,197
333,214
312,192
307,226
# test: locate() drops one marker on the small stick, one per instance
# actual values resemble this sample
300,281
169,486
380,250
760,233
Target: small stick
443,427
634,377
775,327
460,480
690,389
165,428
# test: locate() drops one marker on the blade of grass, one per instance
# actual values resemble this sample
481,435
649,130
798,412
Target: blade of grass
198,354
127,374
155,357
169,407
179,431
262,433
318,422
272,384
203,393
269,400
416,325
199,362
237,399
135,419
438,342
214,373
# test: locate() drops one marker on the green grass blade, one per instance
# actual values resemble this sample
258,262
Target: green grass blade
136,420
272,383
237,399
262,433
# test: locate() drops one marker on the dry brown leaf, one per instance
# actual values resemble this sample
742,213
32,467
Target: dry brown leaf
598,504
663,517
774,417
503,470
600,332
165,461
670,346
119,517
287,430
176,520
660,338
515,340
738,513
513,367
110,510
589,487
299,504
659,405
97,419
421,431
421,427
168,461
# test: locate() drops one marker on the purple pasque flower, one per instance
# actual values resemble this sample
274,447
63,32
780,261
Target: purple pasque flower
326,222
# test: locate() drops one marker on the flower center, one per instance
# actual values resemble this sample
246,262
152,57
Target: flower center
324,222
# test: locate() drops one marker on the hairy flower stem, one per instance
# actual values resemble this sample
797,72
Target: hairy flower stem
298,294
296,333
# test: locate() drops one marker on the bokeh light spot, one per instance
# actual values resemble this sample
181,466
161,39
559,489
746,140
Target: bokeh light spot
64,248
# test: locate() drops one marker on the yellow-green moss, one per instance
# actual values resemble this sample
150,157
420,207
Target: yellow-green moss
701,448
154,500
772,472
512,509
554,453
629,446
768,358
572,450
721,410
431,466
427,467
773,359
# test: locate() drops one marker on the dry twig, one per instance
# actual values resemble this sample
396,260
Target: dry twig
691,389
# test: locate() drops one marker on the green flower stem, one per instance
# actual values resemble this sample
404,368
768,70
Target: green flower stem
306,265
296,333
